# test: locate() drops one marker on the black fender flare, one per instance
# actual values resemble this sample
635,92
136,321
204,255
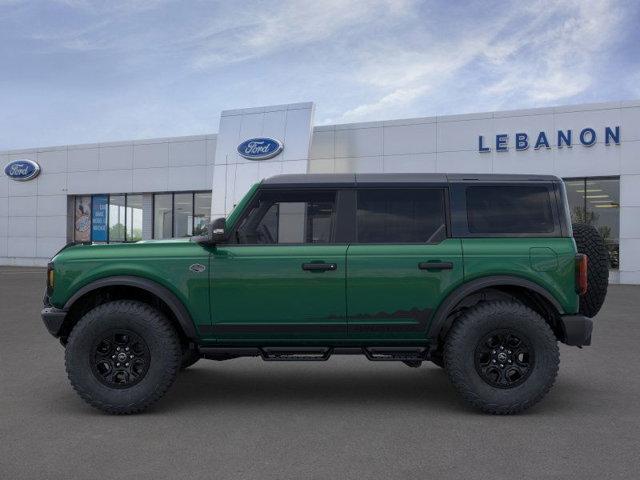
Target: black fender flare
468,288
167,296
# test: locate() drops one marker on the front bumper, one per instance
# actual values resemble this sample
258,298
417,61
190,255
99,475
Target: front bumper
53,319
577,330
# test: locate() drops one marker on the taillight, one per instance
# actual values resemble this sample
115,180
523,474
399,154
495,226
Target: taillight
581,273
51,277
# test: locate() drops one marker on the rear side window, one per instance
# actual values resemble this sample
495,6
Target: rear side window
509,209
401,216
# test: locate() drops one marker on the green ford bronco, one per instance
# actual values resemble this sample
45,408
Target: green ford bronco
482,275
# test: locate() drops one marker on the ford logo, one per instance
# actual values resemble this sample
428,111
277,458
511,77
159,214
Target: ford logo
260,148
22,170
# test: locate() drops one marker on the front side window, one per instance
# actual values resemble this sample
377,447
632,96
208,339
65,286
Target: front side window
401,216
289,217
512,209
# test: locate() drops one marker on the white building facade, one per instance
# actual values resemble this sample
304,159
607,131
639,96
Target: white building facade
171,187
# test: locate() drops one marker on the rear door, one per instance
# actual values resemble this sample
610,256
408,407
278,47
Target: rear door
284,276
401,264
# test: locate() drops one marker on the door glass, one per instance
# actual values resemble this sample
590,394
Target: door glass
401,216
287,218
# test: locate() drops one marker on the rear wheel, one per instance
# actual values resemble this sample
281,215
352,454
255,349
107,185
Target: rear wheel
122,356
502,357
590,242
437,359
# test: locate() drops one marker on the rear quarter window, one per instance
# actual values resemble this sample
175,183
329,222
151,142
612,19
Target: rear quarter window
509,209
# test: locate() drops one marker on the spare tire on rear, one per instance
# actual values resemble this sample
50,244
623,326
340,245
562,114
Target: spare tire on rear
590,242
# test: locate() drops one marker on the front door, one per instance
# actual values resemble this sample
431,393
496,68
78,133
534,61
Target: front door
401,265
282,276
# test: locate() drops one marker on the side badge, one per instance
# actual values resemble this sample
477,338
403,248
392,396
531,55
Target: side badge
197,268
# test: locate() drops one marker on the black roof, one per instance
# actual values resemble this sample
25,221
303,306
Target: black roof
370,179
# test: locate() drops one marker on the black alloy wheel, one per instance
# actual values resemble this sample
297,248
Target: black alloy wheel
122,356
501,356
120,359
504,358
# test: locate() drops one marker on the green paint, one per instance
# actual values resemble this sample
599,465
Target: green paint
377,293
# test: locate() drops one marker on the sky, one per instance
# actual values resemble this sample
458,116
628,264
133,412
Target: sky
80,71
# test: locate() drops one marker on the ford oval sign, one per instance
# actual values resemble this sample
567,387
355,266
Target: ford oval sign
22,170
260,148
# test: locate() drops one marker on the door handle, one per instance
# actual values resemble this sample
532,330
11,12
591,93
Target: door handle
319,267
435,265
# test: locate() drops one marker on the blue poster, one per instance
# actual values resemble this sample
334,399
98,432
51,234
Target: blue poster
99,206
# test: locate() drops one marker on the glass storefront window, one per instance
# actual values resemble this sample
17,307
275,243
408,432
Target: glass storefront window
117,218
162,215
182,215
596,202
201,212
134,218
82,219
105,218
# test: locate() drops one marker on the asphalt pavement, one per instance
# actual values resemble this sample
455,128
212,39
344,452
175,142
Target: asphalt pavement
346,418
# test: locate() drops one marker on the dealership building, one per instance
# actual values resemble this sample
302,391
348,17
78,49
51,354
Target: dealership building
171,187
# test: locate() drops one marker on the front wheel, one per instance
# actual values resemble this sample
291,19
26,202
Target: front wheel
502,357
189,357
122,356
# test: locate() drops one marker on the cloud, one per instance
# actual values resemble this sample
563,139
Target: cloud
126,69
256,32
542,52
555,63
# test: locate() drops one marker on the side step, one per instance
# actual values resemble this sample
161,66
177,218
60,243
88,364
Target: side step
291,354
396,354
317,354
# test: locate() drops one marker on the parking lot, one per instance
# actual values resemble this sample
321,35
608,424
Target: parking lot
345,418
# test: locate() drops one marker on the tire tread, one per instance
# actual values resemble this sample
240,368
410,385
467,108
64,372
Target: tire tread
164,329
459,379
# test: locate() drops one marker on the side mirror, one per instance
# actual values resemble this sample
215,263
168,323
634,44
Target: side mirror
215,233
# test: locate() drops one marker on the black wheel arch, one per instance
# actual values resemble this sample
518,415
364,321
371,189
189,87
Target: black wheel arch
137,287
533,294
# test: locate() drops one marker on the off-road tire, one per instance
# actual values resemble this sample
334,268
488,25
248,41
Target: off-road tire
189,357
149,324
460,356
590,242
437,359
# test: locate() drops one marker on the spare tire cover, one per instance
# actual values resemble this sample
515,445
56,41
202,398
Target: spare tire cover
590,242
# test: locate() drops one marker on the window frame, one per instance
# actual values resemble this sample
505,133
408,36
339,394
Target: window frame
460,224
232,237
444,190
